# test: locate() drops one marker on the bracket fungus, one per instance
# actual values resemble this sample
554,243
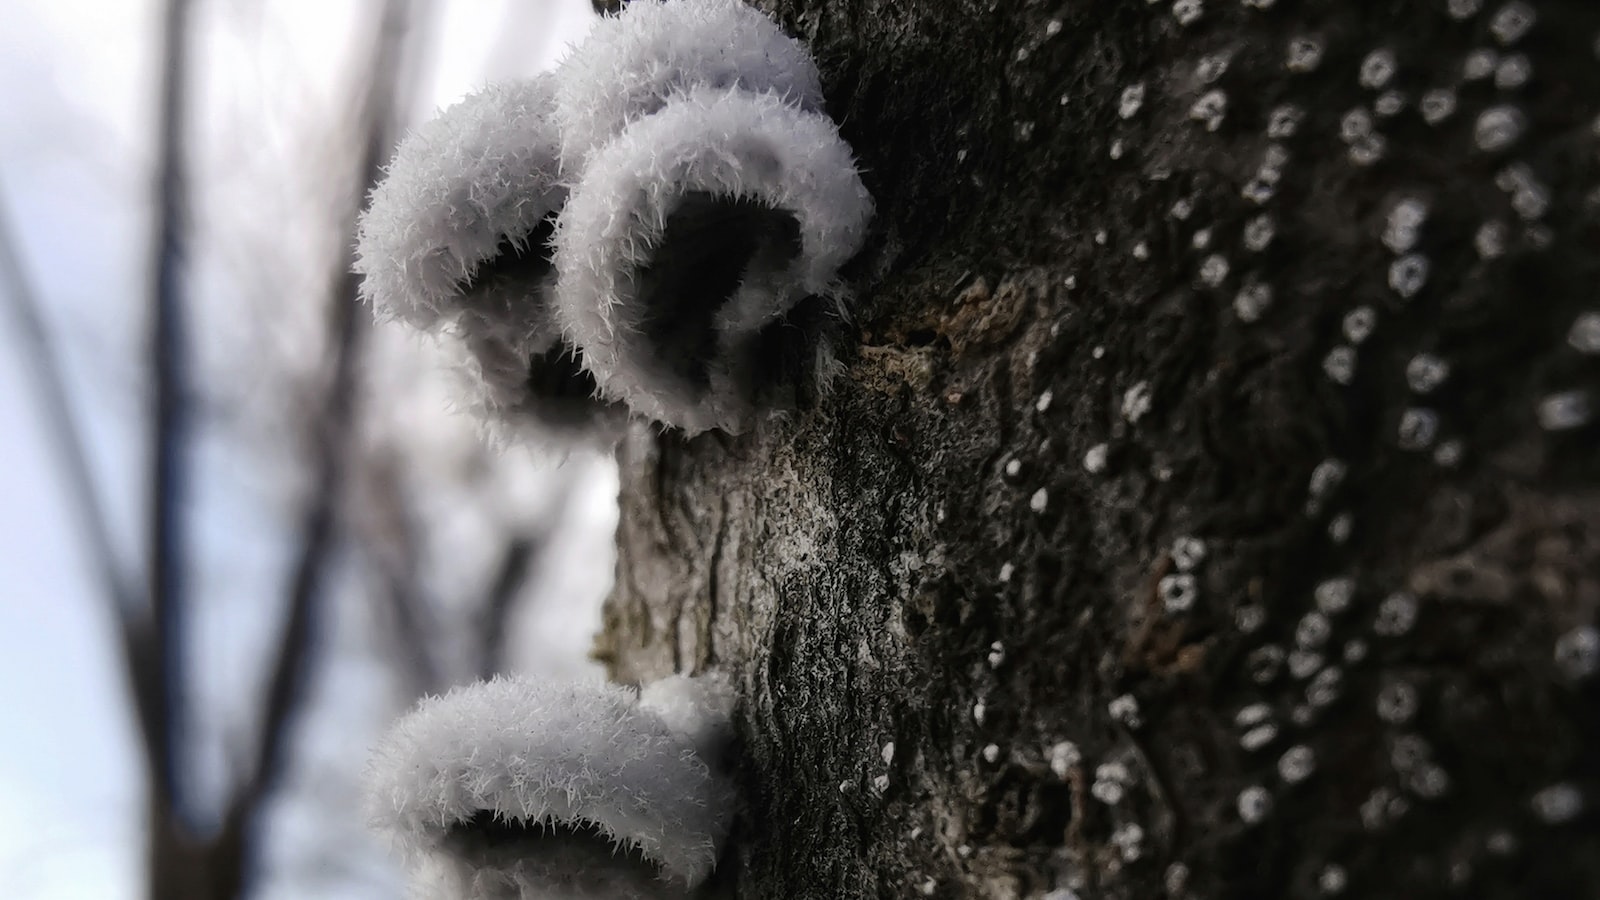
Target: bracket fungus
455,240
633,64
700,251
712,207
699,205
516,788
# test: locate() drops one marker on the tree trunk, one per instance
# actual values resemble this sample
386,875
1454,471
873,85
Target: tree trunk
1210,505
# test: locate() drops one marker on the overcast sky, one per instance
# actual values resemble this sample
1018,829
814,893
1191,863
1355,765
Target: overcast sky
76,89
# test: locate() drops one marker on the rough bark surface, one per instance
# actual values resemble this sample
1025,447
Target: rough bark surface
1145,272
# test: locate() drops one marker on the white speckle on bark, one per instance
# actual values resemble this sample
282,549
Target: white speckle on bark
1094,460
1498,127
1578,652
1566,410
1297,764
1254,804
1064,757
1136,401
1558,804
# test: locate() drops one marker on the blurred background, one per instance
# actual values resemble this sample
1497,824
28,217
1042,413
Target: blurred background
241,527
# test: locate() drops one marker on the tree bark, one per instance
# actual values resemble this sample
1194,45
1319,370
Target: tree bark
1138,278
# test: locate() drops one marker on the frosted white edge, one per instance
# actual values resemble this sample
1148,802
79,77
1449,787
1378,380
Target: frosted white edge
537,749
484,170
697,708
726,143
631,64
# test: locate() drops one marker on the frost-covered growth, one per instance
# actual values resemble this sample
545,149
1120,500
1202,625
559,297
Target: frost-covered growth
518,788
698,709
455,241
697,250
467,195
632,64
713,204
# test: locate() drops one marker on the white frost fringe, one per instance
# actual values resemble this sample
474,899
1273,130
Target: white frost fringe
482,172
480,177
582,754
730,144
632,64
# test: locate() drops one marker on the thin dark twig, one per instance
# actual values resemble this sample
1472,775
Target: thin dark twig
61,426
169,434
121,589
395,553
517,564
413,622
512,573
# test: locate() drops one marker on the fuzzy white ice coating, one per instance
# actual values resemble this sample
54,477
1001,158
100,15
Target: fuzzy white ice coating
454,240
732,145
483,172
698,708
584,755
632,63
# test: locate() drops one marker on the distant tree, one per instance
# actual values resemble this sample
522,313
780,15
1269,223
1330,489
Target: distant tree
359,489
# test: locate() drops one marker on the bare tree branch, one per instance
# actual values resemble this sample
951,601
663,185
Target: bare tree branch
510,575
393,547
317,534
522,553
413,621
413,616
164,713
61,426
121,589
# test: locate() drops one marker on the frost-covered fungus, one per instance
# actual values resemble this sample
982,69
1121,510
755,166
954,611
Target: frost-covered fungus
519,788
455,240
632,64
698,709
699,248
529,374
467,200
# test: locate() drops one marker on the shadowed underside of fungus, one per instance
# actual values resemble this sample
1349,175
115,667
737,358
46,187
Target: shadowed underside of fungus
709,245
701,235
571,859
524,369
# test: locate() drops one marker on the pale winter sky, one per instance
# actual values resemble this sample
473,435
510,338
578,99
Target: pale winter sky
76,102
